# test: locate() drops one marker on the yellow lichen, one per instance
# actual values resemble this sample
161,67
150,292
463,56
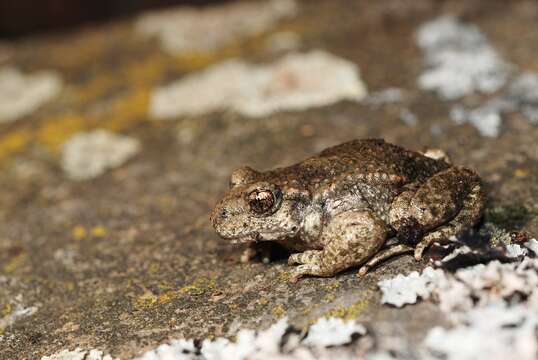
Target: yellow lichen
6,310
192,289
284,276
146,70
98,231
147,299
521,173
79,232
54,132
307,310
263,301
127,111
199,287
97,87
192,61
15,263
70,286
331,286
14,142
168,296
278,311
165,285
329,298
154,268
348,313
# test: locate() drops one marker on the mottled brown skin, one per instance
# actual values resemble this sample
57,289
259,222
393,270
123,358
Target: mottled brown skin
338,208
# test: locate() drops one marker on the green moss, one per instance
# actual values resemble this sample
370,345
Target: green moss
510,217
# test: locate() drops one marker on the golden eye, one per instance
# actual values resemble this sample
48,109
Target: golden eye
261,201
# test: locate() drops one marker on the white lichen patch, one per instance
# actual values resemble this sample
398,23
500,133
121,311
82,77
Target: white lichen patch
479,285
462,62
521,96
487,120
176,349
403,290
532,245
15,314
495,282
523,93
333,332
188,29
408,117
298,81
22,94
78,354
88,155
323,340
493,308
495,332
386,96
516,250
459,58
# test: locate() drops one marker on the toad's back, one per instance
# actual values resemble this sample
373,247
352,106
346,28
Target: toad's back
370,156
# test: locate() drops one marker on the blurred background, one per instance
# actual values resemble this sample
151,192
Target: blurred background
25,17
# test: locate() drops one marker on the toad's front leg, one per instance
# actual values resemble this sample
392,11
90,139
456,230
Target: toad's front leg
351,238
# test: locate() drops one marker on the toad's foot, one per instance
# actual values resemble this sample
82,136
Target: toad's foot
352,238
382,256
248,254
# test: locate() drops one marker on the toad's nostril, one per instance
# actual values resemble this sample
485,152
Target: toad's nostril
223,213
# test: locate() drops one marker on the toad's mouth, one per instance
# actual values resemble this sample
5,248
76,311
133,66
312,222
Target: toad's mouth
260,236
253,237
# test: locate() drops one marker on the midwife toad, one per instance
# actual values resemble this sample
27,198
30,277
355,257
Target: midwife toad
338,208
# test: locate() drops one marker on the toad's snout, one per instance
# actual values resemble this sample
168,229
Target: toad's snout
218,216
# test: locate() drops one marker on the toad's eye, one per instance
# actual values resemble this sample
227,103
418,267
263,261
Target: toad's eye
261,201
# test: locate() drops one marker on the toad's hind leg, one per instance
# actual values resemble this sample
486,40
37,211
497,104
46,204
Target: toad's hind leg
351,238
445,204
468,216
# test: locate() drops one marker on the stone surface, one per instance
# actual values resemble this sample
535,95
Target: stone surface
127,261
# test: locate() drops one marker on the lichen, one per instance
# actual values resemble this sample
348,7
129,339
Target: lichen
276,342
461,61
186,29
278,311
88,155
13,143
98,231
349,312
296,82
22,94
15,262
79,354
79,232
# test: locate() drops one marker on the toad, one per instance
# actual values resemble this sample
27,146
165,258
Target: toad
337,209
